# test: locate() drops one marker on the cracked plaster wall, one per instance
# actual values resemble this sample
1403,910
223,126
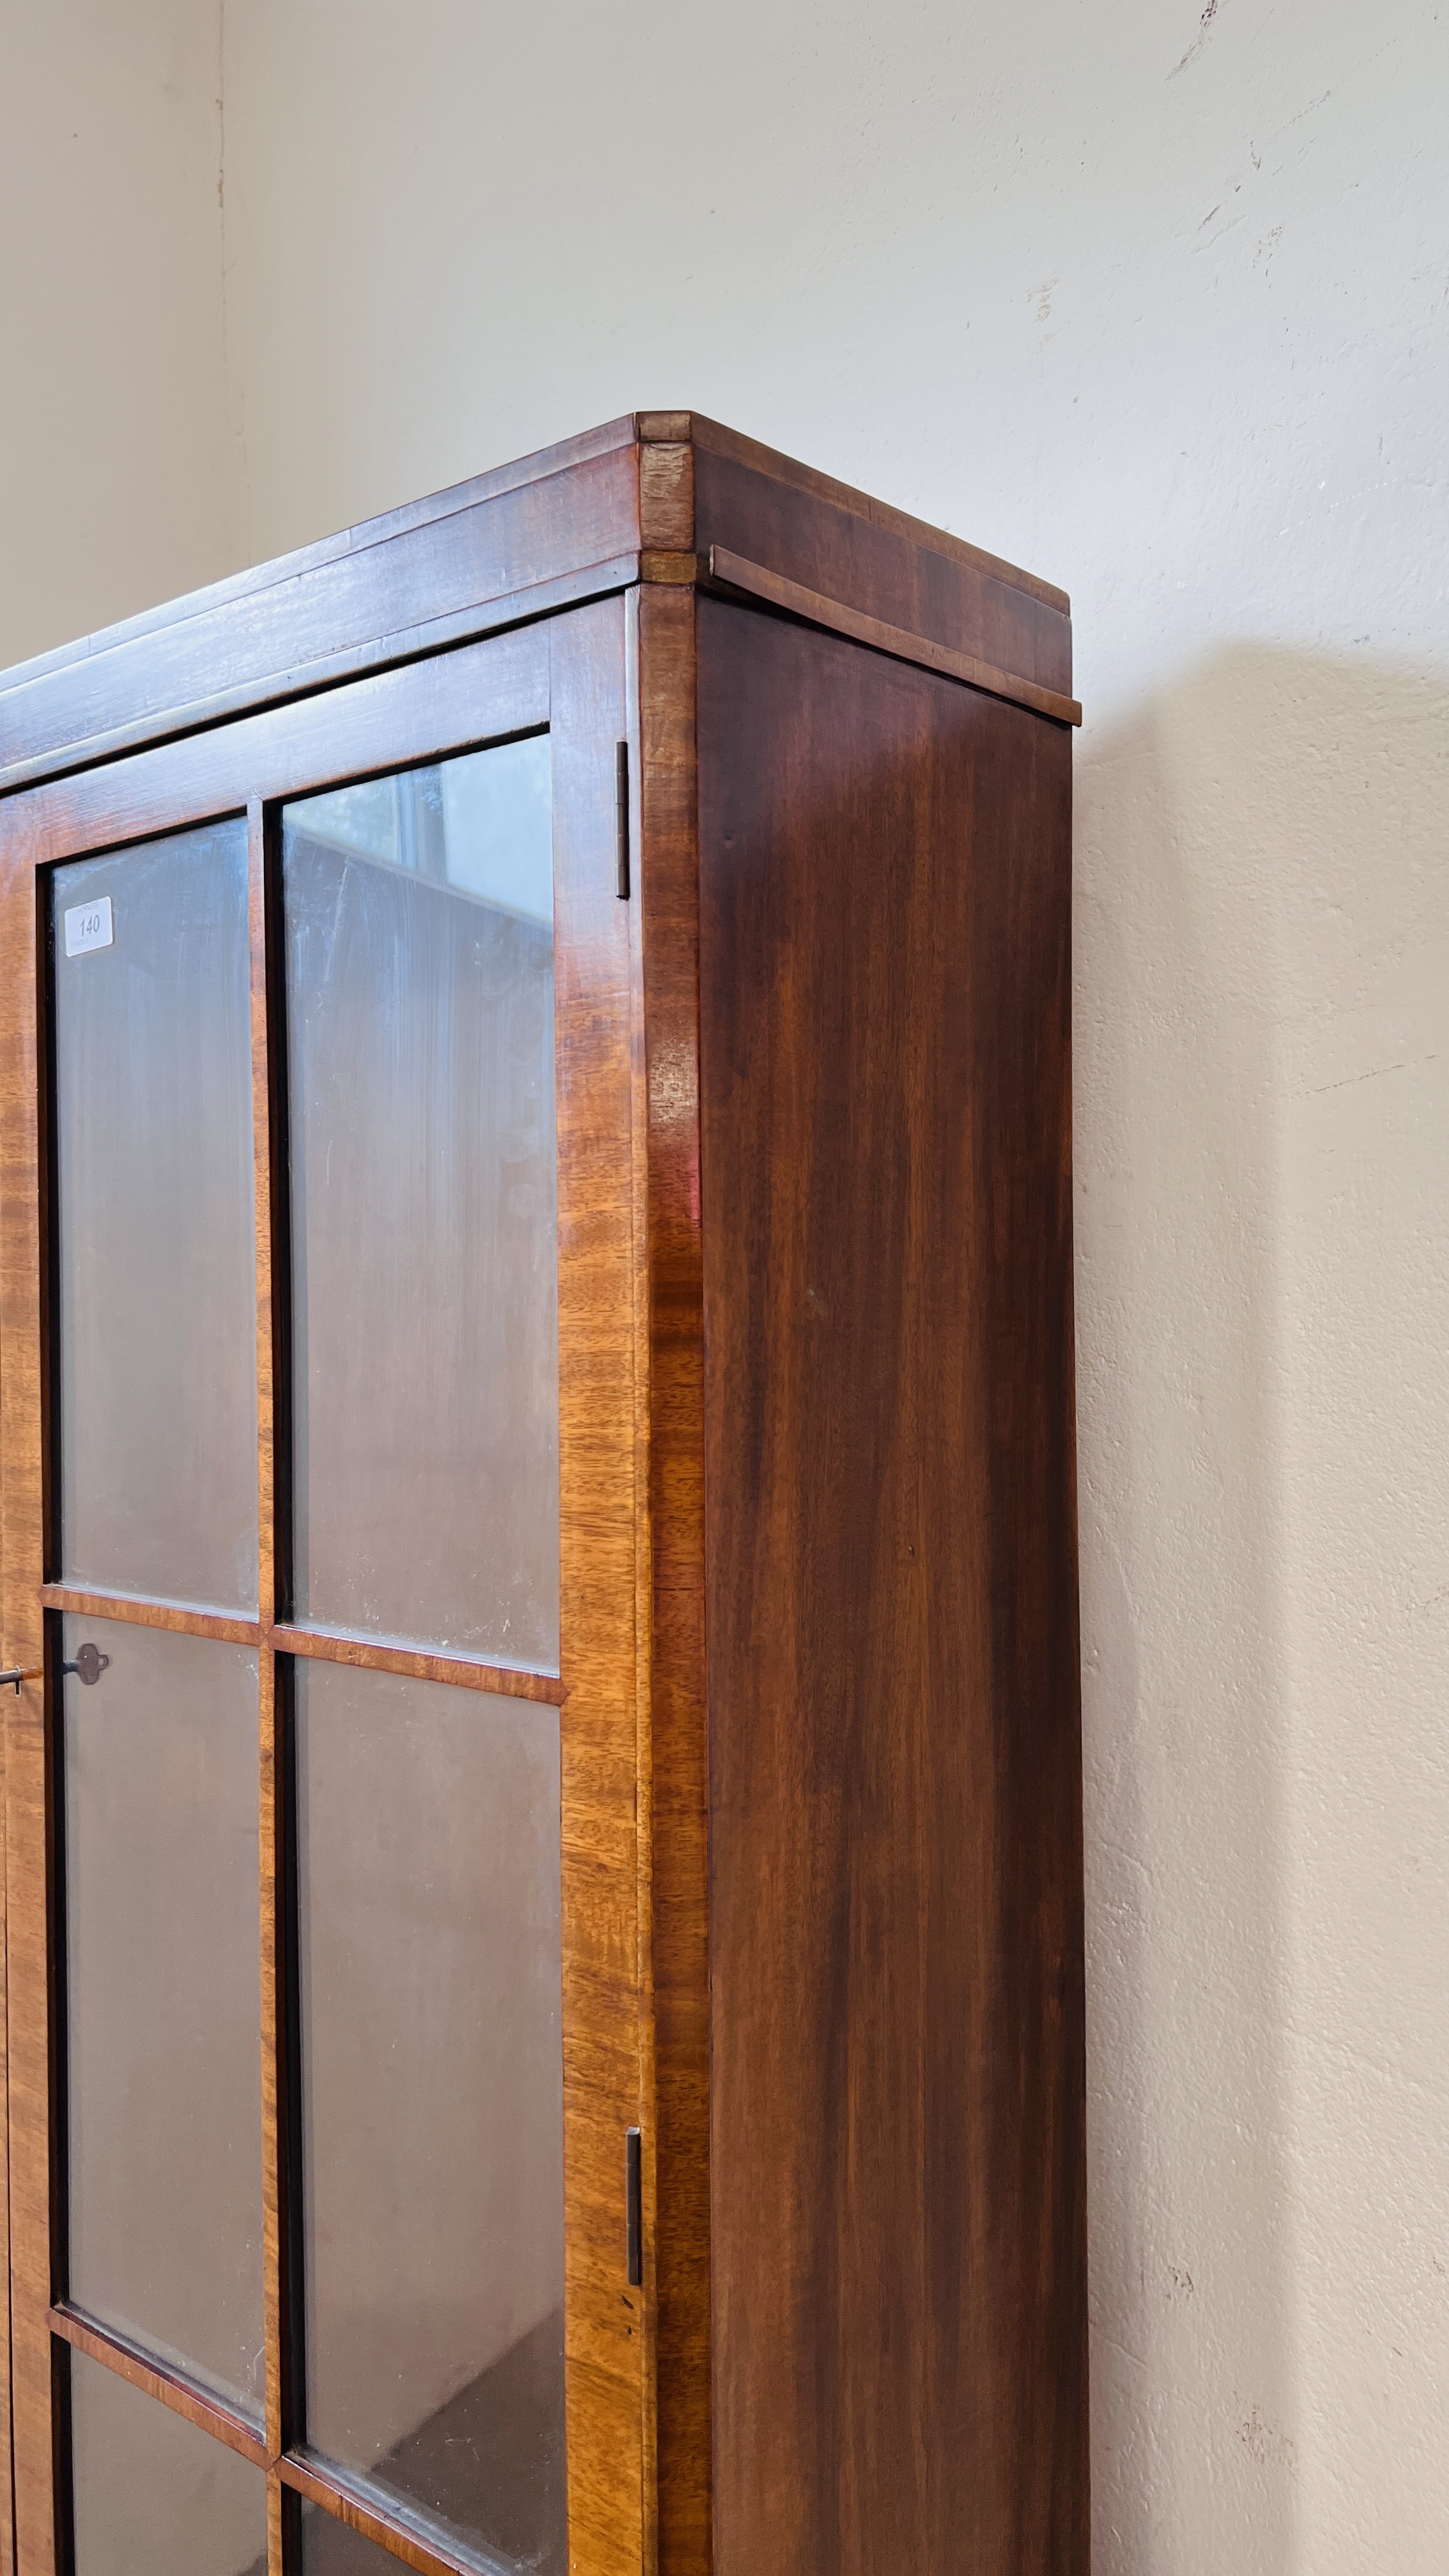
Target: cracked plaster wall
1152,299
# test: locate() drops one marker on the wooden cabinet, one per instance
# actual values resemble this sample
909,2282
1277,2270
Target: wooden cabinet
543,1840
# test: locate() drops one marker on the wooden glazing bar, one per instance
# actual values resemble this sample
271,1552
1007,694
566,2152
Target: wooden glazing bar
150,1614
262,1171
272,1790
311,2477
276,2545
459,1670
271,1783
181,2395
365,1653
733,572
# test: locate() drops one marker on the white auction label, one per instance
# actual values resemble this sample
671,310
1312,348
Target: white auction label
88,925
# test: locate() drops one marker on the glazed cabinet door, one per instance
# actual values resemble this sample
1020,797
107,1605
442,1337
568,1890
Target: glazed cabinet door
318,1563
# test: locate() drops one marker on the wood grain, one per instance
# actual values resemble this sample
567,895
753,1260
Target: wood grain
713,438
322,1643
499,689
484,692
245,586
307,2475
732,572
277,2177
603,2317
667,427
273,1766
265,1211
182,2396
7,2475
848,548
436,636
897,2153
31,1984
528,540
171,1615
643,1621
366,1653
854,1889
7,2507
277,2537
518,544
666,494
676,2158
660,566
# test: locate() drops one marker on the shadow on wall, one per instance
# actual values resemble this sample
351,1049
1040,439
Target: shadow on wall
1253,853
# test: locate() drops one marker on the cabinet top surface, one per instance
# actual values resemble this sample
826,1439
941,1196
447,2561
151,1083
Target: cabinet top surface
634,498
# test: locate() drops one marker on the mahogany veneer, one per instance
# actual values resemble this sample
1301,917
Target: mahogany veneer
819,1686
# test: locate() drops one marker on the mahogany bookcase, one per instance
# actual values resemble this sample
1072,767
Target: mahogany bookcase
543,1879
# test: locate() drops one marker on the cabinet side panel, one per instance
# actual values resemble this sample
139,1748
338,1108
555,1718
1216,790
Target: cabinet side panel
897,2134
870,564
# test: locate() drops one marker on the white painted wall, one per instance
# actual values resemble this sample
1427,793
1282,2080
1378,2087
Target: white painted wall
113,464
1153,302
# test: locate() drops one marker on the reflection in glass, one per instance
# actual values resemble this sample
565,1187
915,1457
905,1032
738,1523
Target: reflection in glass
430,1969
155,1223
333,2548
163,1999
419,946
152,2496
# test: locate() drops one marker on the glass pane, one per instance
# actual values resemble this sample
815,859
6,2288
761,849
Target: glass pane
162,1933
333,2548
152,2495
432,2100
157,1274
419,937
